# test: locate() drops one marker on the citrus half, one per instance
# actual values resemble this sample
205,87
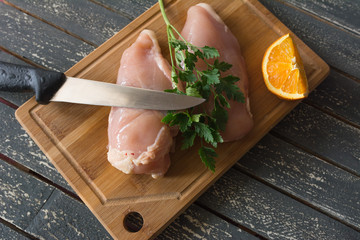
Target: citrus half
283,70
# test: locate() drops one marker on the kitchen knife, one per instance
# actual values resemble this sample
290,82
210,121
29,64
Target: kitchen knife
56,86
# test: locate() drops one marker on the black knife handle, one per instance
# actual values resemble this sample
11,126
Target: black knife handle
44,83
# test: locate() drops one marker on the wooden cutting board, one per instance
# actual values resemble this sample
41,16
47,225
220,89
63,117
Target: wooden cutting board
74,137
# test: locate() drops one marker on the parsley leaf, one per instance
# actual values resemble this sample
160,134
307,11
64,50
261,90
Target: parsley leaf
194,92
208,156
222,66
187,76
210,76
232,91
221,116
204,131
178,44
190,60
188,139
208,83
210,52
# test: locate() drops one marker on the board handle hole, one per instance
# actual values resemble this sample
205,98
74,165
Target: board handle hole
133,222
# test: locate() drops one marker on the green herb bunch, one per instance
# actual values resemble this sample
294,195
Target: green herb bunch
206,84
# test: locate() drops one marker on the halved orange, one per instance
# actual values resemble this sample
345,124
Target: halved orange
283,70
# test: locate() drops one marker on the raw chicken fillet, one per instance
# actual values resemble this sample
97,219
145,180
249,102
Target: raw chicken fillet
139,142
204,27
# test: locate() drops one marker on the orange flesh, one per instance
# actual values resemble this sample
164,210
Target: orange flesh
284,69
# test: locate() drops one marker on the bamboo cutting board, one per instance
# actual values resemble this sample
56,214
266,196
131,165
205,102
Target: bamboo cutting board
74,137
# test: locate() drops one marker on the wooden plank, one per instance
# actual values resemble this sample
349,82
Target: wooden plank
83,18
15,98
7,233
320,184
75,137
130,8
270,213
338,94
198,223
337,47
21,196
320,133
5,57
63,217
38,41
17,145
342,13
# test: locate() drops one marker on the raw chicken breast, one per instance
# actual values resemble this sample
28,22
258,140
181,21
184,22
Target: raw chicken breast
138,142
204,27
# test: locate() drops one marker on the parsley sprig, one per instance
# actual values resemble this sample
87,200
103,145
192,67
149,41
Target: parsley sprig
208,84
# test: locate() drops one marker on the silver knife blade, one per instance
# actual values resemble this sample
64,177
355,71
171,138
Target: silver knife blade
83,91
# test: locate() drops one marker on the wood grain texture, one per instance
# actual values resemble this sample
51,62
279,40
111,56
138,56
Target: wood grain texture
197,223
130,8
340,95
342,13
5,57
320,133
341,103
21,196
6,233
62,130
303,176
62,217
17,145
337,47
270,213
65,218
38,41
83,18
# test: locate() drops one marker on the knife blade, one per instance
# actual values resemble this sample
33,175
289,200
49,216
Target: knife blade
56,86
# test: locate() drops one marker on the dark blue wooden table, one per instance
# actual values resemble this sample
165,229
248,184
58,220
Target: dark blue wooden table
301,181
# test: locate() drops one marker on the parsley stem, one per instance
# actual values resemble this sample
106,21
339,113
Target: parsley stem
169,27
162,9
171,36
170,49
169,31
